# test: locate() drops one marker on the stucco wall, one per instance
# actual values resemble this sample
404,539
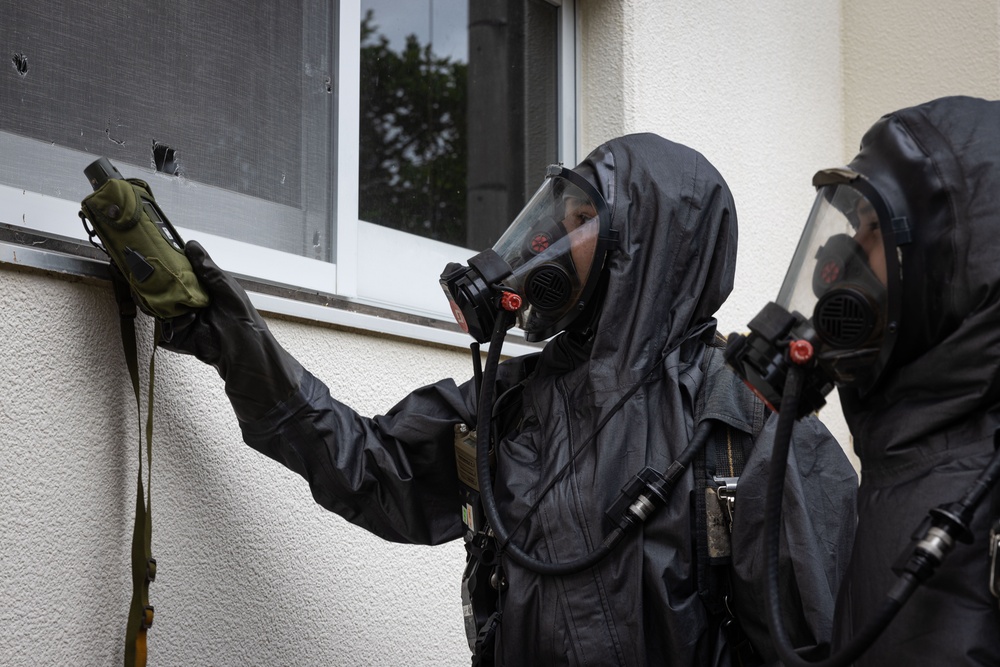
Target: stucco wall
755,87
895,58
250,570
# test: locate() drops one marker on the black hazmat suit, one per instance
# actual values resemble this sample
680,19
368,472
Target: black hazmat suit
926,430
395,474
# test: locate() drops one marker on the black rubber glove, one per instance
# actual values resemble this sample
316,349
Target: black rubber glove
230,335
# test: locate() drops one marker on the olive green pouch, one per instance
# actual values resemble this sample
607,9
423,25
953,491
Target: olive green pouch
144,246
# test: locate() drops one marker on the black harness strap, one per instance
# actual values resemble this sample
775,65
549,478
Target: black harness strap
717,472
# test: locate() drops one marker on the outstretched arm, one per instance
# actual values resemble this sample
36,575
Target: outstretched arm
393,475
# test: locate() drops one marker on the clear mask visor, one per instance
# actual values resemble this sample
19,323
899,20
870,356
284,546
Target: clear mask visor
838,276
555,248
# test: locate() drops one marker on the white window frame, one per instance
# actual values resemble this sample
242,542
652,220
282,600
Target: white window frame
385,269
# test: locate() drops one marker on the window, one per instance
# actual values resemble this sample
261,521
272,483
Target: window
227,114
277,138
459,114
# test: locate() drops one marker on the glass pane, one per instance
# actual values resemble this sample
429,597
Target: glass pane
458,114
231,107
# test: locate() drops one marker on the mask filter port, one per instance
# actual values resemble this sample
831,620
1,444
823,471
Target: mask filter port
548,287
844,319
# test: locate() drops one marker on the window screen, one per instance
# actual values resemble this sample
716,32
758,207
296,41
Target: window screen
231,103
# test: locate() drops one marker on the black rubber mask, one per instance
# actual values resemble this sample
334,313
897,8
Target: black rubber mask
545,267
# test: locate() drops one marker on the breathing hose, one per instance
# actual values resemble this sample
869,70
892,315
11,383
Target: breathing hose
948,523
658,493
483,421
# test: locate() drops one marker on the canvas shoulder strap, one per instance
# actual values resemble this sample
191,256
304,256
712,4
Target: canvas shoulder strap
140,616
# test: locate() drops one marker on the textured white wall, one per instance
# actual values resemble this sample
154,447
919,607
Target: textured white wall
894,58
755,87
251,570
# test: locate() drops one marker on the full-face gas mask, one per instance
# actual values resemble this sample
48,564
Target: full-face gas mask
544,268
845,276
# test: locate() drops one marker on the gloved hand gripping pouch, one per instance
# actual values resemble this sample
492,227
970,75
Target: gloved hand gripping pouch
144,246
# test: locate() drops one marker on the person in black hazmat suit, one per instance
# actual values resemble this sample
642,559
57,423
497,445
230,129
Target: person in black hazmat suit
899,267
635,249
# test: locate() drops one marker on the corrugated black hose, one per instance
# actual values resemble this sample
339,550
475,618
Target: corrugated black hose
655,491
947,523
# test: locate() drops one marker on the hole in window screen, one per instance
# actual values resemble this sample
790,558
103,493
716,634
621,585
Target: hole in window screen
458,114
227,112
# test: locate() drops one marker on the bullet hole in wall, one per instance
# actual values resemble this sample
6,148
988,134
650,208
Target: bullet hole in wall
20,63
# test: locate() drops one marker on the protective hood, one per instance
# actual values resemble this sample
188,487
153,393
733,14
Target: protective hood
675,259
938,165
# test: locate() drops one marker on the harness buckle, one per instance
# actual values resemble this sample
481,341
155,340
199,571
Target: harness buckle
727,497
